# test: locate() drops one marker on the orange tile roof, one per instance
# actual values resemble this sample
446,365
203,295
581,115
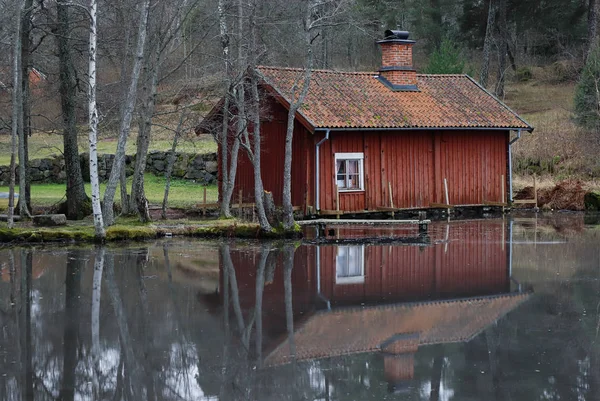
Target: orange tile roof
360,100
366,329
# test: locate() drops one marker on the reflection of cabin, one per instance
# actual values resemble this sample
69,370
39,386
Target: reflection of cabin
380,139
385,298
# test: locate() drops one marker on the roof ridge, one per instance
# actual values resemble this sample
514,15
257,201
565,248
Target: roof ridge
317,70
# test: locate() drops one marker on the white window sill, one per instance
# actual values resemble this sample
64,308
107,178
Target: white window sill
345,191
350,280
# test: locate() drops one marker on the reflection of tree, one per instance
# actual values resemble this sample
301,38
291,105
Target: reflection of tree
71,324
132,376
96,296
25,323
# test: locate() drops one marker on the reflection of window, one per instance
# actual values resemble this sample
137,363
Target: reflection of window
350,265
349,171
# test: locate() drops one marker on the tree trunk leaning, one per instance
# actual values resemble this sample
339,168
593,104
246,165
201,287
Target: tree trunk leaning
288,209
119,161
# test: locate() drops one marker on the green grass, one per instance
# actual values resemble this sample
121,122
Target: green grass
42,145
183,194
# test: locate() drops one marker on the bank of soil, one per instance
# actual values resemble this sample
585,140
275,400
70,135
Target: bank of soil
565,195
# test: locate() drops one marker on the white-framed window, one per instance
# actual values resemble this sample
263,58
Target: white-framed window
350,264
349,171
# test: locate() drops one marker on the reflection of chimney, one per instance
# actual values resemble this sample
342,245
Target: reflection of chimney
399,361
399,368
397,71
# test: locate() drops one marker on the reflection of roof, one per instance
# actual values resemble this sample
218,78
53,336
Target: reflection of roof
365,329
359,100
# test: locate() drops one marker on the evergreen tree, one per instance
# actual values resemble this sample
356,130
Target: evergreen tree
587,93
446,59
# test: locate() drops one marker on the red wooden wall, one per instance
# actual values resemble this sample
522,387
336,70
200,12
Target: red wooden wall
273,130
416,163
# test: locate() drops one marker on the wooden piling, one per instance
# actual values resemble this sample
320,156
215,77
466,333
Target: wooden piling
535,193
502,183
391,199
446,193
204,203
337,202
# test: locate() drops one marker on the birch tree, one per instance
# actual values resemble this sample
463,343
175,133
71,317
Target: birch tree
125,126
16,111
93,124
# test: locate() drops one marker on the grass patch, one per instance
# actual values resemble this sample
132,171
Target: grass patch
183,193
42,145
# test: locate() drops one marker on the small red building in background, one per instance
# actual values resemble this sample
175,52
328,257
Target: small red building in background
364,134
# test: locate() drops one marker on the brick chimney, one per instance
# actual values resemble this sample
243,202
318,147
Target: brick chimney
397,71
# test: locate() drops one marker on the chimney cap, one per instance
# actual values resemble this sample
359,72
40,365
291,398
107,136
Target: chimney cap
396,36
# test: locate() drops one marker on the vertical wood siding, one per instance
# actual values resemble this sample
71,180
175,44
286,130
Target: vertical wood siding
415,163
272,159
474,163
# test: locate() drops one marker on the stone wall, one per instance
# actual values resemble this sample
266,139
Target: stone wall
201,168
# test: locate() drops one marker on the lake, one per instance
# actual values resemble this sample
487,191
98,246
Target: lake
496,309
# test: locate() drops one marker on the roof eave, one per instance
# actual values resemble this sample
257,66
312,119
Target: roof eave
529,127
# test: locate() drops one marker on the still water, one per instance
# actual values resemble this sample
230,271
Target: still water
476,310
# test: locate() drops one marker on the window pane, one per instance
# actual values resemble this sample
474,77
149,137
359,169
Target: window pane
353,166
341,166
354,181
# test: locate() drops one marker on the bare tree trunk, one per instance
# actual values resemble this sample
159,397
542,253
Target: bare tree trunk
96,296
16,112
487,44
171,163
288,209
502,48
259,191
26,28
138,195
119,162
224,134
592,29
93,124
78,205
231,171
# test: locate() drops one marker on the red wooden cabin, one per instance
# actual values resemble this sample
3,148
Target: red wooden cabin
382,139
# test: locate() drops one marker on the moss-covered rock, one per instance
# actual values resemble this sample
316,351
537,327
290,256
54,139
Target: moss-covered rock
591,201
